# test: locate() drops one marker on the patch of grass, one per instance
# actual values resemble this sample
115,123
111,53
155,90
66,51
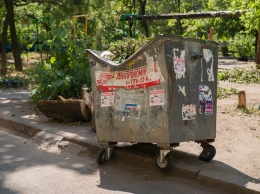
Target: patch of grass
16,76
251,109
241,75
225,93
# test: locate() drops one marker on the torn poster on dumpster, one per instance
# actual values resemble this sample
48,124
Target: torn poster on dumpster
157,97
188,112
205,100
140,77
107,99
129,107
131,110
179,62
208,56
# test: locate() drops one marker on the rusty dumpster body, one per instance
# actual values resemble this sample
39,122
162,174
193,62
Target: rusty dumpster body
165,93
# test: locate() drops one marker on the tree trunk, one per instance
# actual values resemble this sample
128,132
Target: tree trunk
142,11
15,46
257,55
150,32
4,44
179,20
241,99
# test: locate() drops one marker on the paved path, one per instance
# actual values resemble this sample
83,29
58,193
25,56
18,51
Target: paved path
17,113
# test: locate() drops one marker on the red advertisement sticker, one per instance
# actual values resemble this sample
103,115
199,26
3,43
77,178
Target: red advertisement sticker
157,97
141,77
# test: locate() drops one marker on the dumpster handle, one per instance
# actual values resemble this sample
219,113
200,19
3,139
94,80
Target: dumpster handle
193,56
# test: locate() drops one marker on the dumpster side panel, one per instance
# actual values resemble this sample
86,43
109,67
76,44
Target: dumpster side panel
193,65
166,93
131,100
103,117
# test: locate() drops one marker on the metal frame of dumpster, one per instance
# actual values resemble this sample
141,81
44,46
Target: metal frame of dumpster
165,93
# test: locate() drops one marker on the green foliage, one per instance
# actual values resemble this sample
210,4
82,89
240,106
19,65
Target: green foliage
104,26
225,93
18,77
242,46
251,19
122,49
66,72
241,75
251,109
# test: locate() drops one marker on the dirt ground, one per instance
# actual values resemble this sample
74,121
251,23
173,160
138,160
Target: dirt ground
238,133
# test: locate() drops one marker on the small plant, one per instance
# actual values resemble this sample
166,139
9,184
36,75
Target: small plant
225,93
241,75
65,73
251,109
122,49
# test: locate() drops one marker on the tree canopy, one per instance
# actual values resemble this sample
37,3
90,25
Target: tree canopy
26,19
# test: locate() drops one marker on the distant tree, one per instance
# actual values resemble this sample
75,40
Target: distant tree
3,69
251,21
15,45
9,21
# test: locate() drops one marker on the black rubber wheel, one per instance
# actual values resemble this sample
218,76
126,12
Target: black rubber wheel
208,153
101,158
92,125
166,165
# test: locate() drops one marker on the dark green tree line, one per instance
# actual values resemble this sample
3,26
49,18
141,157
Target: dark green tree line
105,26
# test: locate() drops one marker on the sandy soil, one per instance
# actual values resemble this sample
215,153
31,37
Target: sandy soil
238,133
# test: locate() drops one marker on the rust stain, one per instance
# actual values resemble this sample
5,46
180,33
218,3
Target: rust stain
185,122
171,85
131,64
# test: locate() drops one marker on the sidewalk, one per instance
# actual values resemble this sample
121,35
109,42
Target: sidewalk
17,114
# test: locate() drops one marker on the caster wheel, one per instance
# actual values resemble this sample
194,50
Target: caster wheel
166,165
208,153
101,158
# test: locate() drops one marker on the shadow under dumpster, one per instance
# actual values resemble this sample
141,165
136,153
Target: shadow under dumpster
215,174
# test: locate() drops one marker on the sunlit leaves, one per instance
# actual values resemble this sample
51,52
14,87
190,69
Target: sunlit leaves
67,69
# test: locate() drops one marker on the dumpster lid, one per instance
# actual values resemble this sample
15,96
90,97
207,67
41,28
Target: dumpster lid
103,55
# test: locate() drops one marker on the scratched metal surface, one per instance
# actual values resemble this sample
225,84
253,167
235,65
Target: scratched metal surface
164,93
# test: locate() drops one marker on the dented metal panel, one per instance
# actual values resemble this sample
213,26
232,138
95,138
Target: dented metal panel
164,93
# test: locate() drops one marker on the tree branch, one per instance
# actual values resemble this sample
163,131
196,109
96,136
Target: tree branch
190,15
39,1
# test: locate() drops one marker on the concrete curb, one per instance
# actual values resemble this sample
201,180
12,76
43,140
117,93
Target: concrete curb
31,130
134,158
22,127
198,176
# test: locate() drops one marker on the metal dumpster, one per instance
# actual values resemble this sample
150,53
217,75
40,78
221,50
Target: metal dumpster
164,94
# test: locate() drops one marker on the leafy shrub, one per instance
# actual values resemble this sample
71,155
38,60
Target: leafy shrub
242,46
65,73
241,75
225,93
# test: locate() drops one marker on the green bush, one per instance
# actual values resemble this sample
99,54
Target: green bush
242,46
225,93
66,71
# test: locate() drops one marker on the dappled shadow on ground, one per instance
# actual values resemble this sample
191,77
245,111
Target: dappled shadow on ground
20,157
229,64
185,165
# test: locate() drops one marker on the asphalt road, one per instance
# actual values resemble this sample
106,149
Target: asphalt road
28,168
